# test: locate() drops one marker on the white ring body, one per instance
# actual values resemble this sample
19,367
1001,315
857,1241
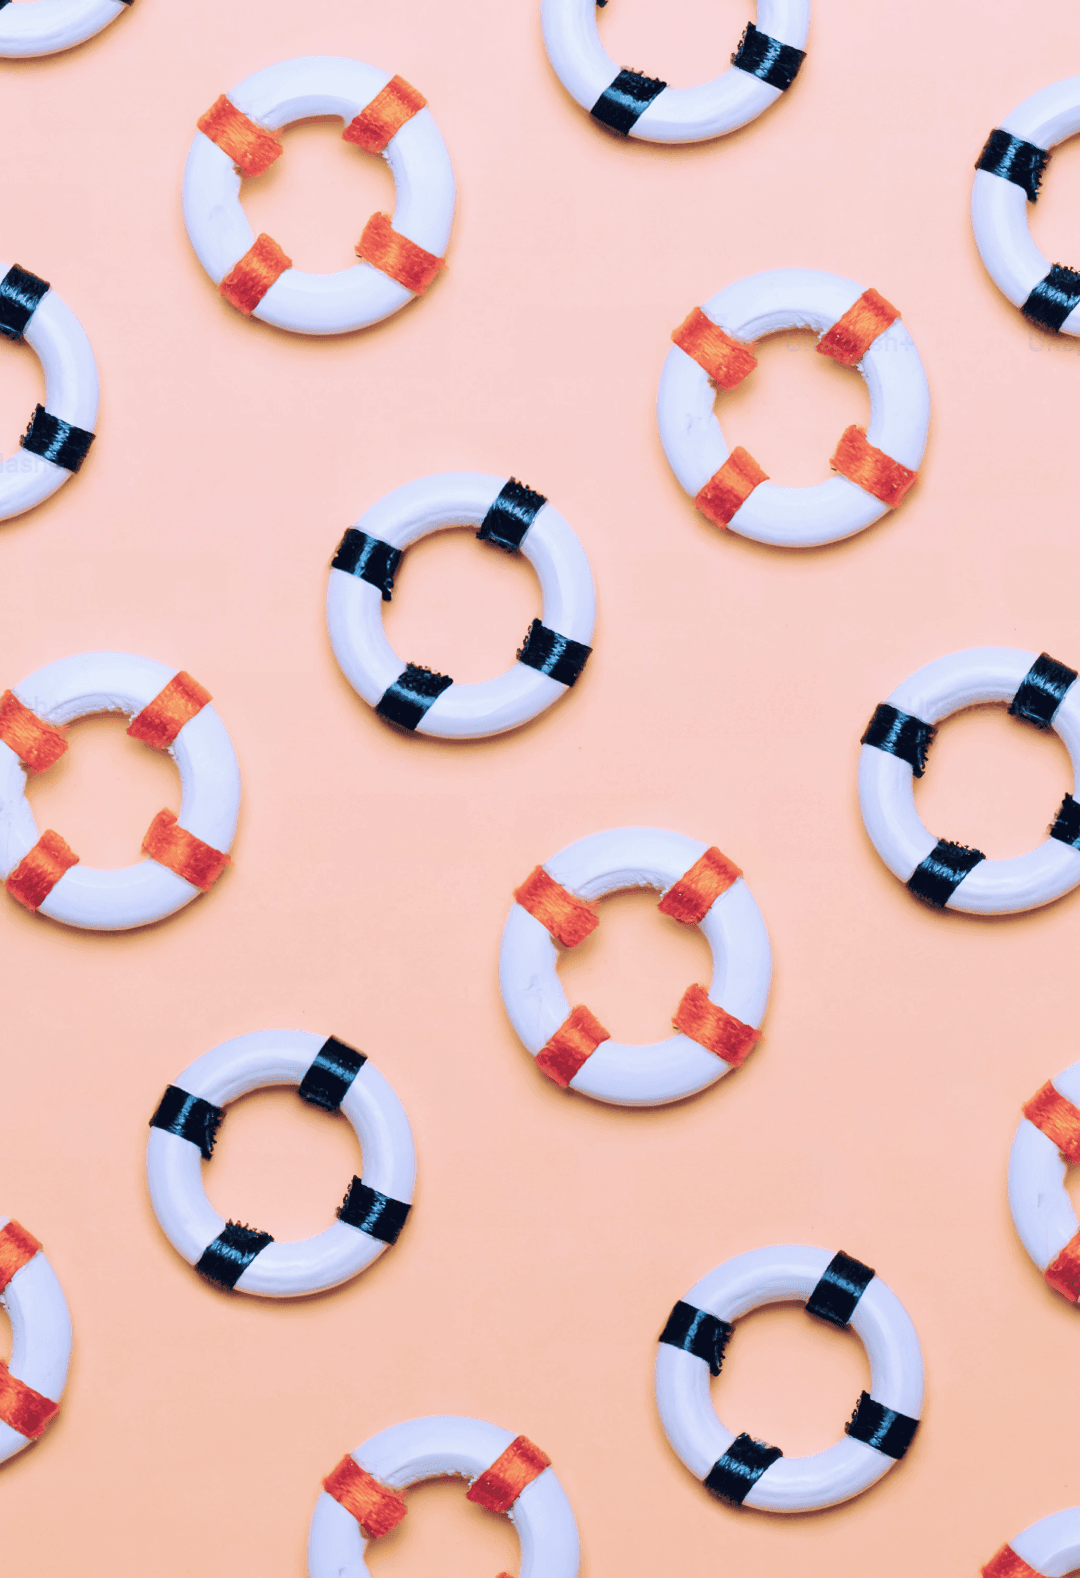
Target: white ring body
350,298
286,1268
434,1447
1041,1210
636,857
59,342
585,69
137,895
776,1275
430,504
43,27
1051,1546
887,799
999,207
40,1337
794,298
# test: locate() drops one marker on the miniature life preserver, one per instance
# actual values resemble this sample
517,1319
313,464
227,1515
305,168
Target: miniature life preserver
32,1385
762,68
400,255
1047,1549
717,1028
878,467
330,1075
742,1470
1046,1143
512,517
895,743
362,1500
60,432
1007,178
188,853
47,26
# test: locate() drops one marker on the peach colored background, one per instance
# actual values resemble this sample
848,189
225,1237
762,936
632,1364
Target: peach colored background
726,696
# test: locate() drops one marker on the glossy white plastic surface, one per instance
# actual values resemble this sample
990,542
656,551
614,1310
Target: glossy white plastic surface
1042,1212
1051,1546
40,1337
43,27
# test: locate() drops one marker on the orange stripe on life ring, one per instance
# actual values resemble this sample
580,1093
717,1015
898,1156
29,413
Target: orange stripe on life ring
22,1408
161,720
726,361
247,282
392,253
40,870
499,1486
250,146
1063,1272
730,487
36,743
872,469
691,898
384,117
851,336
173,846
17,1249
572,1045
1006,1564
376,1508
714,1028
1058,1119
568,918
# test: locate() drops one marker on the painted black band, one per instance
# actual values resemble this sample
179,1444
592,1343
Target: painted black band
224,1261
511,515
54,439
20,295
942,872
622,102
881,1427
189,1118
411,694
761,56
369,558
733,1476
696,1331
842,1285
1042,690
900,734
328,1079
1066,826
1053,298
551,653
1014,160
373,1213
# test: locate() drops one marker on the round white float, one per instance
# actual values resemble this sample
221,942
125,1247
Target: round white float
40,1337
1041,1210
44,27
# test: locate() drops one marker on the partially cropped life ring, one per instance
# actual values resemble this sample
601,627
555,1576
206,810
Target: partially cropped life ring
1039,690
512,517
716,1026
400,255
44,27
361,1499
762,68
1047,1549
751,1473
32,1385
1047,1142
877,468
329,1074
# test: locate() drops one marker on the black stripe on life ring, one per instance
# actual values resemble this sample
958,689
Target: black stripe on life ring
369,558
412,693
943,870
764,57
373,1213
900,734
733,1476
551,653
189,1118
225,1260
623,100
1014,160
1042,690
1066,828
510,516
696,1331
842,1285
881,1427
327,1081
1053,298
20,296
54,439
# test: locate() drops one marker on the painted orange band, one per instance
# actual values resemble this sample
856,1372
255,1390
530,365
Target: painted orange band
499,1486
714,1028
172,845
851,336
570,1048
567,918
40,870
724,359
17,1249
22,1408
36,743
392,253
1058,1119
247,282
161,720
872,469
251,147
691,898
1063,1272
1006,1564
384,117
376,1508
730,487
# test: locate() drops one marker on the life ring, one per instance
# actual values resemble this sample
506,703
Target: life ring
60,432
32,1385
716,1028
762,68
1046,1549
400,255
894,746
330,1075
742,1470
361,1499
1047,1141
512,517
878,467
47,26
1007,178
169,710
